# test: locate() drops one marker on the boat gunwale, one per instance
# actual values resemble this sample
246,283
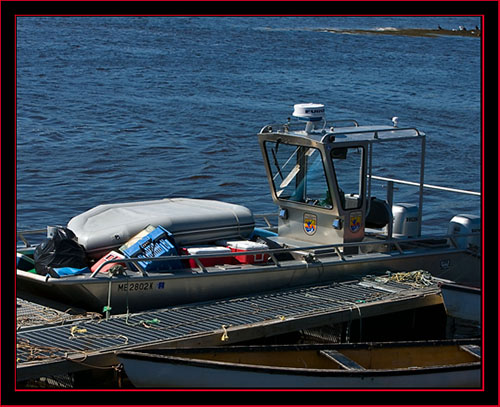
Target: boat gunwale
235,269
452,287
378,239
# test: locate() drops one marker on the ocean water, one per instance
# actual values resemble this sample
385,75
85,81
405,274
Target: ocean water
118,109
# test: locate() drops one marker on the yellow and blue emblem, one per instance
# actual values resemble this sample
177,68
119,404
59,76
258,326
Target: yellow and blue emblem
355,222
310,224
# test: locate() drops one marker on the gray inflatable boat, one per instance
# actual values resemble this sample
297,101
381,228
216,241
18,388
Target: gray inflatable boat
191,221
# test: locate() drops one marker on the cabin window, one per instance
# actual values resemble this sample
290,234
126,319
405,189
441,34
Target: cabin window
298,174
349,170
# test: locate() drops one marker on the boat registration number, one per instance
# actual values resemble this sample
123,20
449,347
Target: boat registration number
144,286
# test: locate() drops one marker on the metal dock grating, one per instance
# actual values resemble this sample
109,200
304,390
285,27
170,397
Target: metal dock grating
31,314
85,338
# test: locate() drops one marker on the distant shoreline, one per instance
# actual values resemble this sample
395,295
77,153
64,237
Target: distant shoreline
410,32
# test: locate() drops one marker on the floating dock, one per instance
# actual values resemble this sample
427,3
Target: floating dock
51,342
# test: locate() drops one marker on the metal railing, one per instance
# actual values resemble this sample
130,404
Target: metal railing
399,181
390,195
22,235
299,125
333,249
265,217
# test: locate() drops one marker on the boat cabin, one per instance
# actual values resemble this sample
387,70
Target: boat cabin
320,174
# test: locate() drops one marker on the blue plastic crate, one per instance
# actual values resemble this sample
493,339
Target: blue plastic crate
158,243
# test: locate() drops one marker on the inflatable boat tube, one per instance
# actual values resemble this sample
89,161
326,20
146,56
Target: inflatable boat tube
191,221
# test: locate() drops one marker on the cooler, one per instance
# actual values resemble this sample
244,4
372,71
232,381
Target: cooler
248,246
210,261
157,243
112,255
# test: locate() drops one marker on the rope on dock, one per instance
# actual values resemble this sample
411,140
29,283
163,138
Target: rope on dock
416,278
84,335
43,352
351,305
51,316
37,352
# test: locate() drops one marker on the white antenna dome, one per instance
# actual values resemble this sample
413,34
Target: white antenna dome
309,112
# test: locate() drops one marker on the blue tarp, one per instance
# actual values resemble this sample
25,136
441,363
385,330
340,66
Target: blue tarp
70,271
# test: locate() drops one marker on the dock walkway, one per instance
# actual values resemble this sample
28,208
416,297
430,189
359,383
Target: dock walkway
72,344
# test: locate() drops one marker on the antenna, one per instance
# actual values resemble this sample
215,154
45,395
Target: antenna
310,113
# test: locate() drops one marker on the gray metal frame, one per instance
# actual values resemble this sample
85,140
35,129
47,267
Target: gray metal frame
325,140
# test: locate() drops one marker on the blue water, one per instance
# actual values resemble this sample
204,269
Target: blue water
116,109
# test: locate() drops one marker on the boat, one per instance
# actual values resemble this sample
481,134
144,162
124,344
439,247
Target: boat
462,301
429,364
327,227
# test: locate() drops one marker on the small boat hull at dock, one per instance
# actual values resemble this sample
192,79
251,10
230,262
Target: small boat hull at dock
462,301
440,364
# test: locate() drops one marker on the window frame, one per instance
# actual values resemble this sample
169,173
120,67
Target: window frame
328,187
361,183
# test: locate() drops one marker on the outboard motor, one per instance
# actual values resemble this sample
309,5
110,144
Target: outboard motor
465,224
405,222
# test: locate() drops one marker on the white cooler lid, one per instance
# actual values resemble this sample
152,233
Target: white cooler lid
246,245
208,250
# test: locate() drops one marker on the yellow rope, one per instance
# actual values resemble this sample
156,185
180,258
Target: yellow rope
75,329
51,316
224,336
417,277
35,353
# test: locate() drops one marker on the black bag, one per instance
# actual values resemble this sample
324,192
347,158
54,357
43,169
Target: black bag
61,250
379,214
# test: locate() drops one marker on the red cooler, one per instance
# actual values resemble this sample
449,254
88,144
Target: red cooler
248,246
112,255
211,261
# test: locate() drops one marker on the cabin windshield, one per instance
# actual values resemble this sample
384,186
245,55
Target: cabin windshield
298,174
349,169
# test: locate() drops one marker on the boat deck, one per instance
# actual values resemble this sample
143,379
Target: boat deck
65,343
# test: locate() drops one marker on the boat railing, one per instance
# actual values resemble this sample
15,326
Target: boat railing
266,218
390,195
429,186
21,235
402,245
299,126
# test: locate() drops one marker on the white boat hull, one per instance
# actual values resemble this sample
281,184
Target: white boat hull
175,376
165,369
462,302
